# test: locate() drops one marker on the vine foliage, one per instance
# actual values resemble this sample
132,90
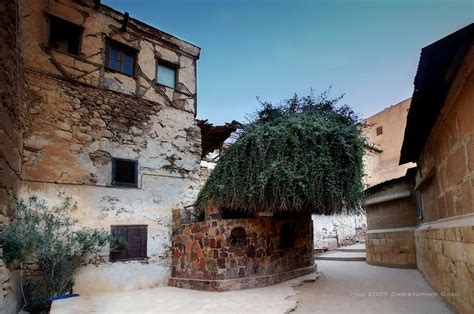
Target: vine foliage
304,154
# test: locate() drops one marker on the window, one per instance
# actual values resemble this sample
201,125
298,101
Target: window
134,238
64,36
121,58
286,236
379,130
166,74
419,206
238,236
124,172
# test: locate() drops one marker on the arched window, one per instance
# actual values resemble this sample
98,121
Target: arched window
237,236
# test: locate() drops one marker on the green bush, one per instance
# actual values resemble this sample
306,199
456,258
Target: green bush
304,154
50,238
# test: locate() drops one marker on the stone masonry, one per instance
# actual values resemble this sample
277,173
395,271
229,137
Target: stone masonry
78,115
207,257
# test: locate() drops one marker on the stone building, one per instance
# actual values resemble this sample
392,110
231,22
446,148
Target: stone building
232,249
427,216
11,94
106,116
439,137
384,134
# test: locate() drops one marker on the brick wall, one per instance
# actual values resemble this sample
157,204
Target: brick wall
444,240
205,258
10,143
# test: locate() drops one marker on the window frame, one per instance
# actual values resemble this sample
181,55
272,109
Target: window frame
379,130
168,64
126,250
49,18
124,184
122,48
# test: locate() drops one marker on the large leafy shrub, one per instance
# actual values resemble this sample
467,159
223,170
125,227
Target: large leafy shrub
50,238
303,154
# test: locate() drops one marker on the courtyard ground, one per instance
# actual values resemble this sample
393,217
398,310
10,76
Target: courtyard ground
356,287
342,287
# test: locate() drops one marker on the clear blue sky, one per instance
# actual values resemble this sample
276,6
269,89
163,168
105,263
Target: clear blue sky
368,50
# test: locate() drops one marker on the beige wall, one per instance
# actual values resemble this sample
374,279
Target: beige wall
79,115
383,166
445,238
391,220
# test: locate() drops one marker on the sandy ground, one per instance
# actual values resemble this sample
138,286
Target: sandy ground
343,287
279,298
356,287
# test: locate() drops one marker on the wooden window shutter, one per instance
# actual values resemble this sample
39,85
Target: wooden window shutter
121,233
136,239
143,241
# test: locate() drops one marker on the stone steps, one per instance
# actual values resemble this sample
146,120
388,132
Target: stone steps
352,253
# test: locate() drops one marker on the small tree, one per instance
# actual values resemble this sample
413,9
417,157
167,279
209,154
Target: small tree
49,237
303,154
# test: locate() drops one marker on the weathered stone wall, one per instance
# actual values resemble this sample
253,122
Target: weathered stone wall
10,143
391,220
80,116
338,230
444,239
205,258
391,249
446,258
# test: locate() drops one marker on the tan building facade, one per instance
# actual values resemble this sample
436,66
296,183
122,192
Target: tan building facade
426,217
384,134
108,118
440,138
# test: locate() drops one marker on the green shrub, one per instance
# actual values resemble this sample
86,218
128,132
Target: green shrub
50,238
304,154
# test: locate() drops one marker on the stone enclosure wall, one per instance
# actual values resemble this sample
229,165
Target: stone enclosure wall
338,230
445,238
79,115
205,256
11,82
391,221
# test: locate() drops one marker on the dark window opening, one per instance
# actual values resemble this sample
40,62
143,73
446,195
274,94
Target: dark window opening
287,239
121,58
64,36
132,242
166,74
238,236
419,206
379,130
124,172
236,214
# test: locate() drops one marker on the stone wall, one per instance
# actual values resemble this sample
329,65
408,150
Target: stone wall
10,143
80,115
338,230
446,258
391,249
206,258
391,221
444,239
